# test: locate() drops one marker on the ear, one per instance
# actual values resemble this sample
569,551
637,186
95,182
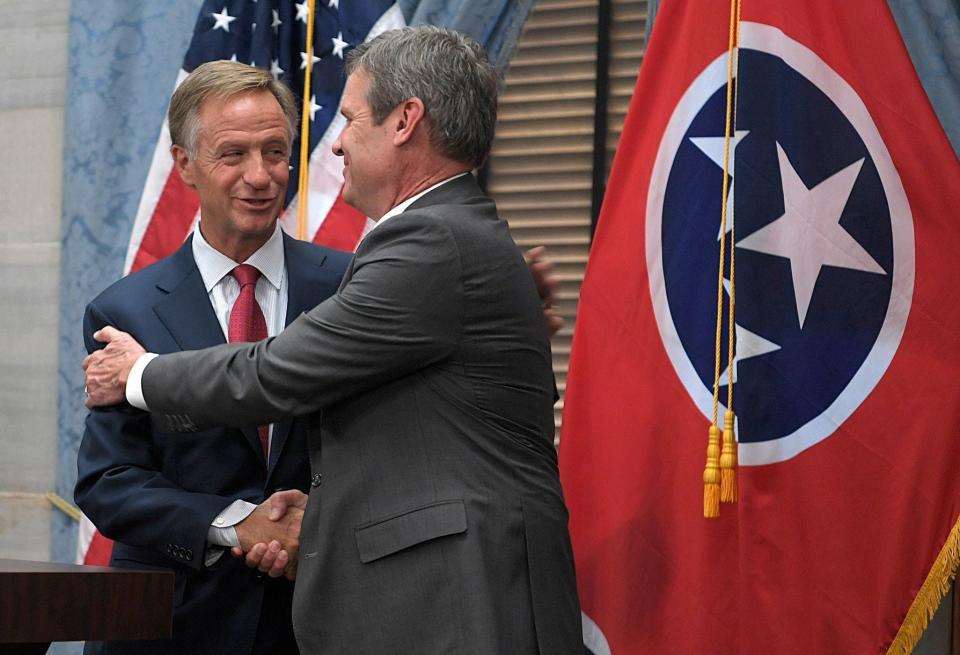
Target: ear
183,164
410,113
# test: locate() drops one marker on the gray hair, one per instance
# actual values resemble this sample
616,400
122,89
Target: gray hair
221,79
448,71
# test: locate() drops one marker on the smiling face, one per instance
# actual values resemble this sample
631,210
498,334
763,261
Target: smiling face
368,152
240,170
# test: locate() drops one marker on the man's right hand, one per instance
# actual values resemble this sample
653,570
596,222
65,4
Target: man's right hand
273,553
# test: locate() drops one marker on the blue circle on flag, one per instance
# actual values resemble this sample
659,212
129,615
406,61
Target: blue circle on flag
806,317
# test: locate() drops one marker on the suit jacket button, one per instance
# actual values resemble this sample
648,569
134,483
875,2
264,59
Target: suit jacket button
315,480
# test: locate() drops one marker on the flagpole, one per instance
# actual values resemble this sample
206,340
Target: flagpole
303,190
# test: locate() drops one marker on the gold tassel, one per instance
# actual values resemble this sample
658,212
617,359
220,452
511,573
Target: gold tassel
728,462
711,475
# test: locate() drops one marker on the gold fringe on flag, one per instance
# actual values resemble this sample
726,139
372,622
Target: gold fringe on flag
931,593
303,190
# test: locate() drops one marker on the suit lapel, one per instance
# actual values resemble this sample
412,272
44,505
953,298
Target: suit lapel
303,277
187,314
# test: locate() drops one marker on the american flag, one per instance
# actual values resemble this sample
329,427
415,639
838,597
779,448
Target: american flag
268,34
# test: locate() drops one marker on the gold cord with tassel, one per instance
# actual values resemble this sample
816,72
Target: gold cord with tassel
720,468
711,475
728,453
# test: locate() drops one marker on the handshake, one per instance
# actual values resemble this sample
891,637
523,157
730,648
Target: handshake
270,535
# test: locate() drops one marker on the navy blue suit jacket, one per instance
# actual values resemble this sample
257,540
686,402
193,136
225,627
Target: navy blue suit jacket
156,494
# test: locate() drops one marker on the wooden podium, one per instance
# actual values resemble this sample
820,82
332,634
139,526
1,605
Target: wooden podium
42,602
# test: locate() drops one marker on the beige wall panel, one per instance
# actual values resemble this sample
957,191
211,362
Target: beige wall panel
33,53
24,526
33,69
29,282
31,175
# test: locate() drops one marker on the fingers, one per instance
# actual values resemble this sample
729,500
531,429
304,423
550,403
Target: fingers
541,269
554,320
270,558
534,254
107,334
255,555
279,565
281,500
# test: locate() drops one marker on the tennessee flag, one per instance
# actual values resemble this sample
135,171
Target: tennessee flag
843,190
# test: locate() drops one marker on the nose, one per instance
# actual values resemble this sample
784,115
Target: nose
337,148
255,173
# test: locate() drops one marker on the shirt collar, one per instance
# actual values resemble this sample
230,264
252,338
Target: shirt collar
402,207
214,265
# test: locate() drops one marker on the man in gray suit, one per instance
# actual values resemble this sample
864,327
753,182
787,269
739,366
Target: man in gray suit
435,522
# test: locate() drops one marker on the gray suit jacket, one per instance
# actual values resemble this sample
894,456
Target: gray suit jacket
436,522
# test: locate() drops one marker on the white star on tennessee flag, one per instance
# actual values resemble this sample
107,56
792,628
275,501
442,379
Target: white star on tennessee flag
713,147
746,344
809,233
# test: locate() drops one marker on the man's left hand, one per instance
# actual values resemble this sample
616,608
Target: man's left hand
547,283
107,369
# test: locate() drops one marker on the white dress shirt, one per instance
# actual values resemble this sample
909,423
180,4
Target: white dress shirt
402,207
223,289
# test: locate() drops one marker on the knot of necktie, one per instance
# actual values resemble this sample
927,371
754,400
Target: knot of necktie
245,274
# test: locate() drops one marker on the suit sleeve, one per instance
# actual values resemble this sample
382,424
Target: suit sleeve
401,311
121,488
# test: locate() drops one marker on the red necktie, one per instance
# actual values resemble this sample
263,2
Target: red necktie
247,324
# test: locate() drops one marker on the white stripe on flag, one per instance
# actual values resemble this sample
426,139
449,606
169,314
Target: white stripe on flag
160,168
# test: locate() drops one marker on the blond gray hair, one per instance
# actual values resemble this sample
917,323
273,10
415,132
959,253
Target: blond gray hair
221,79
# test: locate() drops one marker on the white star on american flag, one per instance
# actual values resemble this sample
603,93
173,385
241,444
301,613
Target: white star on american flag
339,44
303,60
303,11
314,107
222,20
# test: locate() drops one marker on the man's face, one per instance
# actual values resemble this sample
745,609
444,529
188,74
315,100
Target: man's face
367,151
240,170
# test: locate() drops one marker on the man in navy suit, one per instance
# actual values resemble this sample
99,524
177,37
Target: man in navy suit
179,503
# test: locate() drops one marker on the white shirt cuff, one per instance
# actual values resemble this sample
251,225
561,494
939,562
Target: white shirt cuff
134,381
222,532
